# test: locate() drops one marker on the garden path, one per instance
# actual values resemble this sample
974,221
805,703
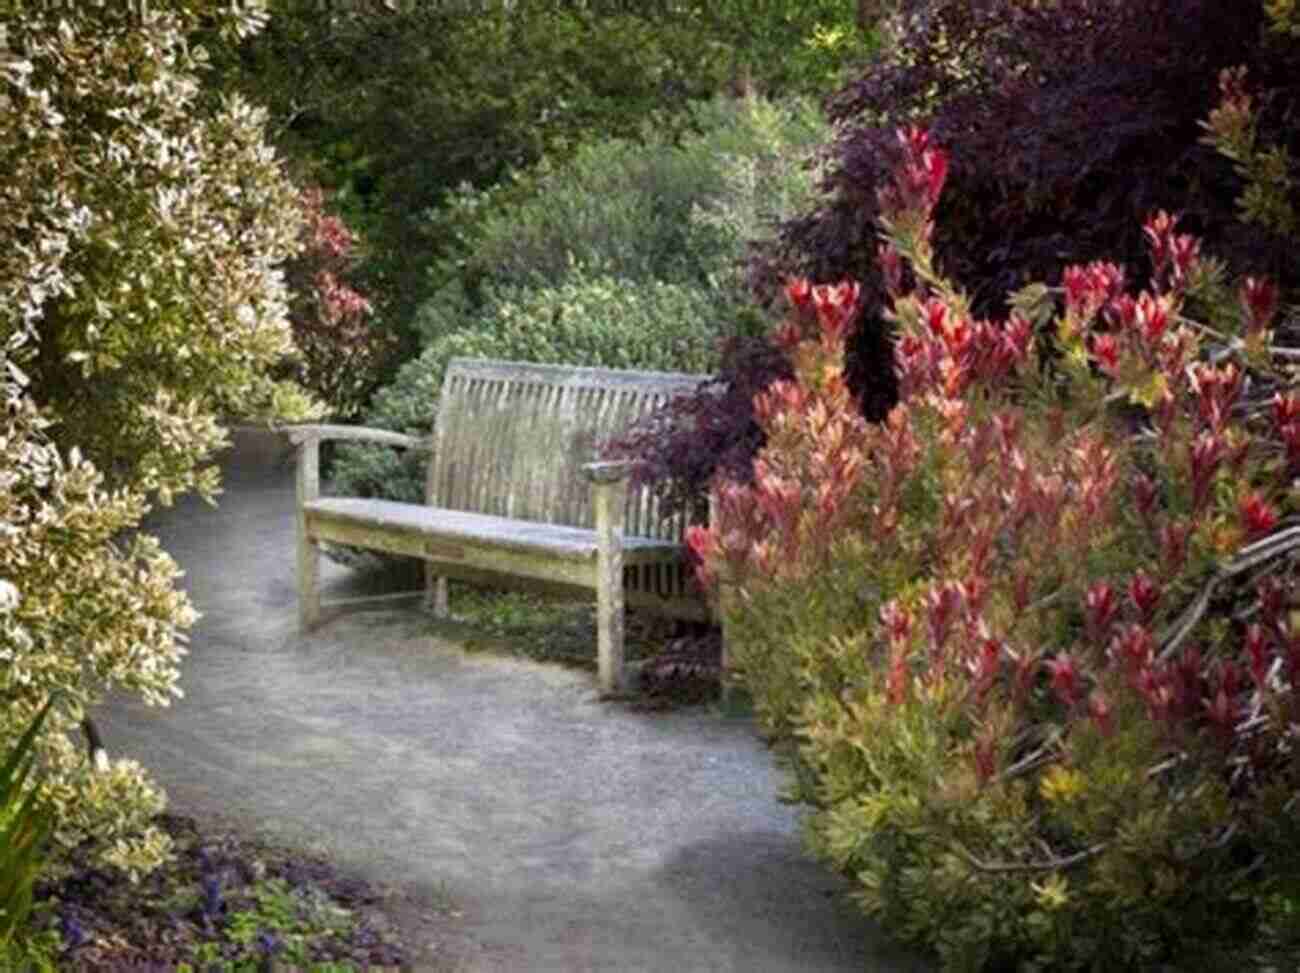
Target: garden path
572,835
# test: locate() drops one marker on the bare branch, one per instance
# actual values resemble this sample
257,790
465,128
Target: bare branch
1029,762
1252,555
1047,865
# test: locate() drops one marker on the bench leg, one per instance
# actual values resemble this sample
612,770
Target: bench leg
435,593
609,627
308,489
608,500
308,581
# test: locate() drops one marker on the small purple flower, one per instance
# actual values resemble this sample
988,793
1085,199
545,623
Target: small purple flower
71,930
211,884
268,942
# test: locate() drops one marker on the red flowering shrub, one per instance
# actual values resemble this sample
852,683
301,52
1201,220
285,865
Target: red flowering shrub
1029,638
341,353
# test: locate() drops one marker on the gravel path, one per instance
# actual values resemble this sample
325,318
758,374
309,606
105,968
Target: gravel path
573,835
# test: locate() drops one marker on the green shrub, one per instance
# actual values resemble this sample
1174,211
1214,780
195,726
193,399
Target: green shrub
151,297
1037,676
141,297
641,210
589,320
628,256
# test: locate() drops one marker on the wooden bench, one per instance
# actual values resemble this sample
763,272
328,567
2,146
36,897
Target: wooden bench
514,495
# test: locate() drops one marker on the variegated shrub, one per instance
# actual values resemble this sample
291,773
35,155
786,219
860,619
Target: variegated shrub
140,298
141,234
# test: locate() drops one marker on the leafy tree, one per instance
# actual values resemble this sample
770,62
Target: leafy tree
791,48
140,298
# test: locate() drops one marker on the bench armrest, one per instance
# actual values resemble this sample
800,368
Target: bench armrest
608,471
308,439
299,435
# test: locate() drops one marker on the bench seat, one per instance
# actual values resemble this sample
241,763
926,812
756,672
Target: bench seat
333,515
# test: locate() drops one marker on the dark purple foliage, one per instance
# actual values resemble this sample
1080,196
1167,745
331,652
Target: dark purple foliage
1076,121
268,943
73,933
680,447
211,902
107,923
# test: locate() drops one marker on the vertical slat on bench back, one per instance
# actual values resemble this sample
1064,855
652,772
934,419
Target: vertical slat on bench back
511,437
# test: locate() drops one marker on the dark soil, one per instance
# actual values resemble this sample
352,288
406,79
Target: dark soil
686,671
680,662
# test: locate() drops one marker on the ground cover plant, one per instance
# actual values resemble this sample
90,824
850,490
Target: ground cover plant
678,663
1028,640
230,903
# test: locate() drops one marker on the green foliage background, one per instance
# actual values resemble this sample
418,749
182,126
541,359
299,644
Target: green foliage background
398,108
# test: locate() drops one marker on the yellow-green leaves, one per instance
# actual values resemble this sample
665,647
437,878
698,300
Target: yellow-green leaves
141,237
142,233
1061,785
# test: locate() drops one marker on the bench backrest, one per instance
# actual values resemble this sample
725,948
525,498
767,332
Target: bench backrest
511,437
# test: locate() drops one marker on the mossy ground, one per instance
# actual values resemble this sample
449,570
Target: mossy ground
679,661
